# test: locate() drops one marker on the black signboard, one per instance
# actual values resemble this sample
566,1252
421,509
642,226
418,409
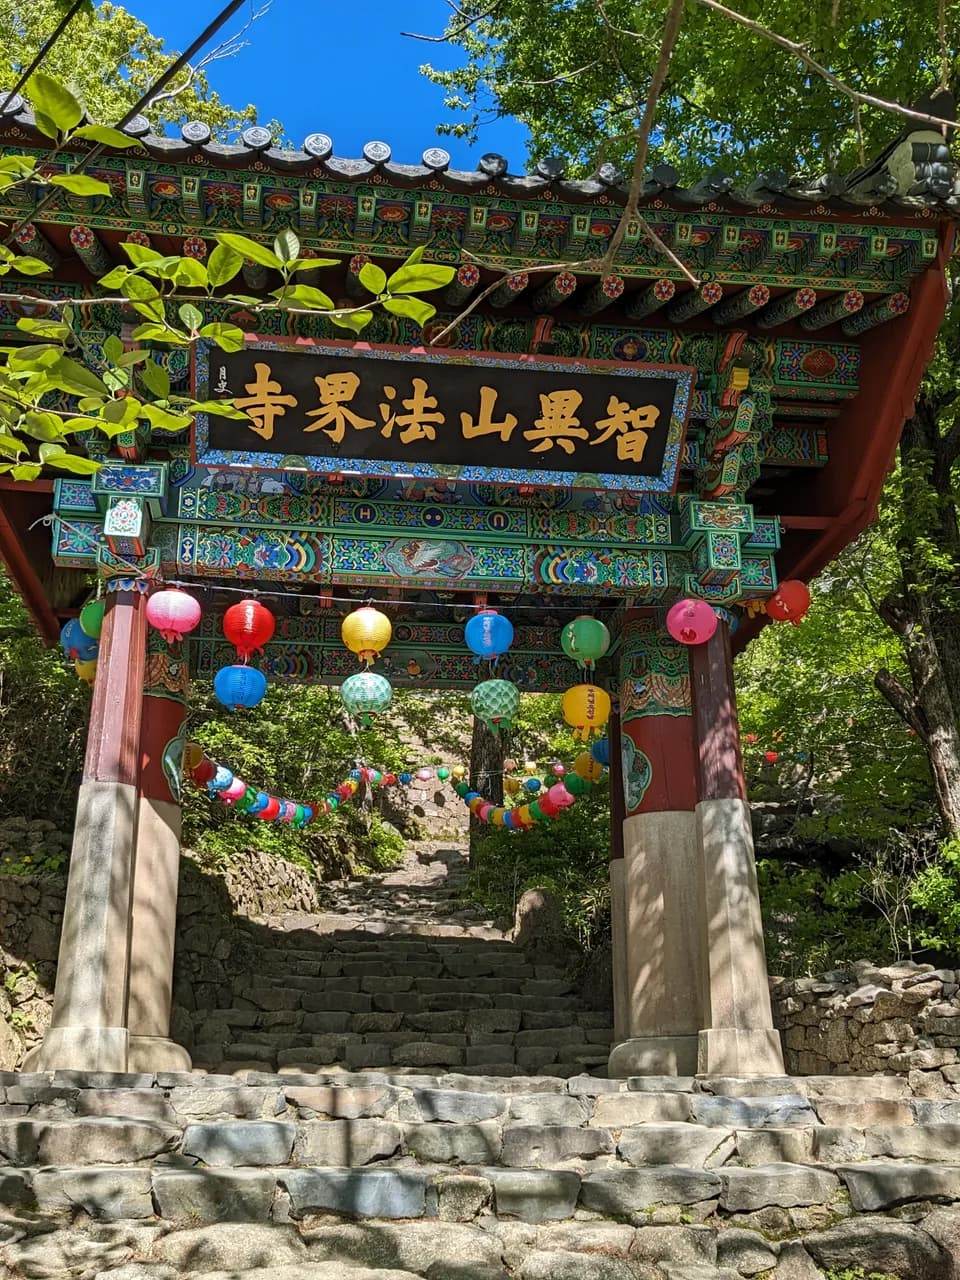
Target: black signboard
348,407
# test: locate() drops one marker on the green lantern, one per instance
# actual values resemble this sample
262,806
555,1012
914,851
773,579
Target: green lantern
91,618
496,703
585,639
576,785
365,695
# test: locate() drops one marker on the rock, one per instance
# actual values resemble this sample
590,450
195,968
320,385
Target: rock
140,1271
306,1271
433,1248
774,1146
554,1265
548,1108
108,1193
367,1193
11,1047
90,1141
915,1142
865,995
534,1146
263,1142
618,1110
776,1112
347,1143
883,1184
745,1251
774,1184
674,1244
617,1192
348,1103
128,1104
230,1244
453,1143
453,1105
533,1195
206,1195
539,922
611,1238
879,1244
944,1226
654,1144
462,1196
794,1263
205,1102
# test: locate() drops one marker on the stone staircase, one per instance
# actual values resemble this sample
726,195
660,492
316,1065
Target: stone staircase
287,1161
400,972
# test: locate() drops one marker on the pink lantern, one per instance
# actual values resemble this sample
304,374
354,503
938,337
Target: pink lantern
691,621
173,613
288,811
547,806
236,790
510,766
424,775
560,796
485,810
558,769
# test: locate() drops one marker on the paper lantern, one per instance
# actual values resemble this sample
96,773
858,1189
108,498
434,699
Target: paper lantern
220,780
771,757
203,771
173,613
91,618
691,621
557,769
366,632
236,790
586,707
530,766
192,755
587,768
560,796
365,694
790,602
270,810
496,703
488,634
424,775
576,785
239,687
511,786
458,772
261,800
533,785
406,778
443,774
76,644
86,671
509,765
585,639
600,750
248,626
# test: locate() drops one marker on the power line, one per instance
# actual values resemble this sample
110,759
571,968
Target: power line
174,69
43,52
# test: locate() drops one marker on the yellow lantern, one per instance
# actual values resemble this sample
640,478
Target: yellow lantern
531,767
587,768
586,707
475,804
497,816
511,786
87,671
192,755
458,773
366,632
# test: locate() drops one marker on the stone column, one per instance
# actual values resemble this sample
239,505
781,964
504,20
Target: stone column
157,865
738,1036
88,1029
618,922
661,917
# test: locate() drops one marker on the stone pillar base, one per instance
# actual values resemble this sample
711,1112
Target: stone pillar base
729,1051
80,1049
157,1053
654,1056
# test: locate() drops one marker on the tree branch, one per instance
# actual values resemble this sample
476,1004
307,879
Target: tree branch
228,48
458,31
798,51
900,699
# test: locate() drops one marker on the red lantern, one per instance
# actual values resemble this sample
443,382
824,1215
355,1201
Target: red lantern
751,738
771,757
248,626
173,613
271,811
204,771
790,602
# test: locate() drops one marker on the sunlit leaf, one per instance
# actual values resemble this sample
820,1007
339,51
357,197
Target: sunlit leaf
191,316
156,379
105,135
80,184
250,249
303,295
353,320
54,106
41,425
28,266
223,265
75,463
373,278
140,253
228,337
414,308
53,329
162,420
420,278
286,245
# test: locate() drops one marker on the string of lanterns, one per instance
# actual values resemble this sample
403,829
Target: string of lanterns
544,799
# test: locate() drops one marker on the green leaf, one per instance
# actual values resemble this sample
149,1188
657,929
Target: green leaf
18,166
48,451
80,184
54,106
314,264
91,404
27,470
75,378
156,379
151,310
190,274
228,337
10,446
73,462
28,266
420,278
139,289
286,246
250,249
157,333
120,415
222,407
163,268
116,379
161,420
113,348
354,320
130,358
223,265
115,278
415,308
191,316
53,329
414,256
373,278
105,135
302,295
139,254
41,425
42,356
247,299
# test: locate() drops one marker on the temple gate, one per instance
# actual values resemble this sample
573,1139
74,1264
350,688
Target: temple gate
667,441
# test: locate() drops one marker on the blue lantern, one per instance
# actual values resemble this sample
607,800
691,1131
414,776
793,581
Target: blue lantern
355,774
220,780
239,686
533,784
76,644
405,778
488,634
600,750
260,803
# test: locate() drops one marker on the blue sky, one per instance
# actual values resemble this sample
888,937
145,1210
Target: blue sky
343,69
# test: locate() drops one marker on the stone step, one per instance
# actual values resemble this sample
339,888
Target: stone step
375,976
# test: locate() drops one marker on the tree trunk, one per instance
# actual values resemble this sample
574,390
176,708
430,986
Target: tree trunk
923,614
486,770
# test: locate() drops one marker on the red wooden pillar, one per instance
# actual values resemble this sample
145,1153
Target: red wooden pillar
655,890
738,1037
157,865
88,1029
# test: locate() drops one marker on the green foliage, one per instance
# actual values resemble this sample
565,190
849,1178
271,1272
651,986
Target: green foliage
858,1273
570,857
935,892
